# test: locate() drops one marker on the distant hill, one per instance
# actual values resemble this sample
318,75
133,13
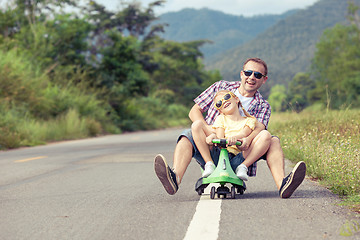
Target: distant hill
226,31
288,46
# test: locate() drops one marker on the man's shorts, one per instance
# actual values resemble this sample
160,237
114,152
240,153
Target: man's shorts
235,160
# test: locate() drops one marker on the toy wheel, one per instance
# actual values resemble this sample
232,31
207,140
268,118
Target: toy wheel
232,192
241,191
200,192
212,192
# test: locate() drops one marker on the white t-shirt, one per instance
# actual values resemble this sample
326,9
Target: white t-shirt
245,101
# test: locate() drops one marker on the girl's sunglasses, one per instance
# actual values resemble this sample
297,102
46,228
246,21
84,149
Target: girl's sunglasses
226,98
258,75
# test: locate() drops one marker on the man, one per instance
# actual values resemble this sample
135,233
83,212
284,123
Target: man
253,76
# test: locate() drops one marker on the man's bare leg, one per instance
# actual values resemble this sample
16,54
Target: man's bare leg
275,161
182,157
170,178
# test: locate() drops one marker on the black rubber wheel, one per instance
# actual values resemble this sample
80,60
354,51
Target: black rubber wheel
212,192
233,192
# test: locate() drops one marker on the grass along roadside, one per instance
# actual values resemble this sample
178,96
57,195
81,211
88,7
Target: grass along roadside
26,131
329,143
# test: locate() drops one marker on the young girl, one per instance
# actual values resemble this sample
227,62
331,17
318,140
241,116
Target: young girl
232,126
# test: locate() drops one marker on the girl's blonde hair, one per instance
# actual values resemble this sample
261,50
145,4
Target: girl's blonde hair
239,103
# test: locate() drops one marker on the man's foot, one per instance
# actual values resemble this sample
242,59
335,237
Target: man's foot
241,172
293,180
209,169
166,176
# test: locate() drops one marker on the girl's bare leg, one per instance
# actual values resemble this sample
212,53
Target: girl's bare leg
200,131
259,146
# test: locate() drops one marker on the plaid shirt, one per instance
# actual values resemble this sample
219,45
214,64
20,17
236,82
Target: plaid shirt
259,107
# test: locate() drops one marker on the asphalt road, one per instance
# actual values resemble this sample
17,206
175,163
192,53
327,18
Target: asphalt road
106,188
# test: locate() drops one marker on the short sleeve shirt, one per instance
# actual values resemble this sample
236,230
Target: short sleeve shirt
259,107
233,128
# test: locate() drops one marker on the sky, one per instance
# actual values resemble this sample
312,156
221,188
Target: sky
236,7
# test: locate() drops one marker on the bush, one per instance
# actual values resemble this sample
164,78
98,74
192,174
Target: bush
69,125
34,110
150,113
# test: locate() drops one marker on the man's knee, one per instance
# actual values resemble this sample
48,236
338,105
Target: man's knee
275,141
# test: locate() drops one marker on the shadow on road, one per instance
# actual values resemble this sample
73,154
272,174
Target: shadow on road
303,194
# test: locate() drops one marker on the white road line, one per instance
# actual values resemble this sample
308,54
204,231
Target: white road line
206,220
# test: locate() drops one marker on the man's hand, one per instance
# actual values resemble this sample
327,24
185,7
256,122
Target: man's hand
245,144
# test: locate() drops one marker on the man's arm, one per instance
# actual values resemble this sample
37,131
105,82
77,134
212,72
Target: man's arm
196,114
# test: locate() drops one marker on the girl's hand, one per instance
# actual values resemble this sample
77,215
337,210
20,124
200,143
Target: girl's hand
210,138
245,144
232,140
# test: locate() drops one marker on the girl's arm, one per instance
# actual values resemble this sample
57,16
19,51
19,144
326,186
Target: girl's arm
245,132
220,132
247,140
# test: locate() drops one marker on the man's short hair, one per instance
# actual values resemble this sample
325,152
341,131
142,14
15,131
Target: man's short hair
257,60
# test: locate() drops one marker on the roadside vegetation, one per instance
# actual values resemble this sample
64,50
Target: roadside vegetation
93,71
329,143
317,115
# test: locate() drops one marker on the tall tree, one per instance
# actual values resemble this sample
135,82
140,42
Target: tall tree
298,91
277,98
336,64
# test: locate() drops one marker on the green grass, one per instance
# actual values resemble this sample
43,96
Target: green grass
68,126
329,143
20,131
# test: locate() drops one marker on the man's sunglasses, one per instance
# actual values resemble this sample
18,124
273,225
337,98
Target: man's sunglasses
226,98
258,75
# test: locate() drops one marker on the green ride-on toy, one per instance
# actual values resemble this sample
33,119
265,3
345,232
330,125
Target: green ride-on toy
223,174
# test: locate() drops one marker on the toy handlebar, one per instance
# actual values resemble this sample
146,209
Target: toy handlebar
224,141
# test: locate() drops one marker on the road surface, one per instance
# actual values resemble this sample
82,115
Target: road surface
106,188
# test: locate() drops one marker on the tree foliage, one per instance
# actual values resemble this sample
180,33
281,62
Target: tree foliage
110,66
334,79
336,65
277,98
298,91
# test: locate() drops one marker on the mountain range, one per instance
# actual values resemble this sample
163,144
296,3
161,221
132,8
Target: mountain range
224,30
287,42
